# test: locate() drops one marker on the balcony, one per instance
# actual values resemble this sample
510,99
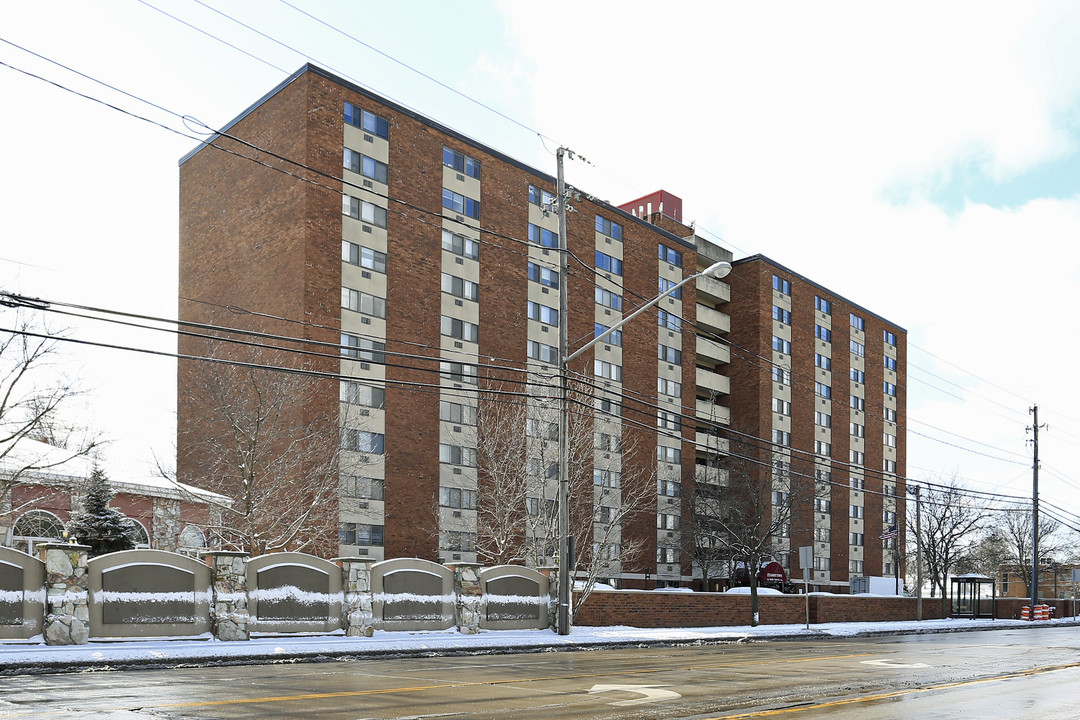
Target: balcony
712,289
710,352
710,445
713,413
710,475
710,320
709,382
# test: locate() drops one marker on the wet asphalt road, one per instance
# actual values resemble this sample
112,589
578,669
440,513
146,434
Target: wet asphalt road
1021,673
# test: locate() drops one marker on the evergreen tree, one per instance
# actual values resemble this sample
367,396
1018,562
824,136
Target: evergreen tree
103,528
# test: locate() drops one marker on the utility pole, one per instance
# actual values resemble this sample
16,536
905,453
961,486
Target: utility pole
918,552
1034,512
565,545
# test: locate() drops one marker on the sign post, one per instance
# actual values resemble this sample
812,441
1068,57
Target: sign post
806,562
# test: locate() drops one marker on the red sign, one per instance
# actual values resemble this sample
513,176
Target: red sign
772,572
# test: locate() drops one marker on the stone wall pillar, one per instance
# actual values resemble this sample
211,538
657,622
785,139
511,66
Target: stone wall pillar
67,611
229,619
356,582
467,597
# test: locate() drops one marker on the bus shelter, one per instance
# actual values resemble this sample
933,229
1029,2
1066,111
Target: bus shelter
973,596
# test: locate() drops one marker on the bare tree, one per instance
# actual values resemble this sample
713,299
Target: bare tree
711,557
951,524
517,504
746,516
33,393
259,443
1013,528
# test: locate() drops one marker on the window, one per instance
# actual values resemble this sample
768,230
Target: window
890,363
457,541
607,442
363,210
822,534
537,428
857,322
613,338
362,441
822,448
543,237
822,390
665,386
889,466
453,497
460,162
855,511
608,406
780,498
458,372
606,478
668,420
858,430
888,543
781,375
823,361
354,393
856,538
608,299
362,349
609,371
667,555
364,257
367,166
457,455
888,517
857,375
360,534
667,522
671,256
858,483
669,354
822,305
890,389
460,287
822,505
855,566
606,263
890,414
781,468
781,285
365,120
822,563
543,353
457,413
460,245
460,329
363,488
543,198
823,333
536,469
609,228
361,302
456,202
668,488
781,345
668,286
858,457
783,407
890,338
543,275
668,454
857,402
781,315
781,437
543,313
822,419
858,349
890,440
671,321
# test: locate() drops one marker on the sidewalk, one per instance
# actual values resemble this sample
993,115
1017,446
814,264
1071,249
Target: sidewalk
19,658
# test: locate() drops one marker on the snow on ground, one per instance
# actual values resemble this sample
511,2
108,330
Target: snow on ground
26,657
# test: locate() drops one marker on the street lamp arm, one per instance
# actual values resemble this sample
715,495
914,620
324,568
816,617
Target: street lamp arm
716,270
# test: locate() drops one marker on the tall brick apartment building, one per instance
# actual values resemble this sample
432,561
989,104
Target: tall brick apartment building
428,264
824,382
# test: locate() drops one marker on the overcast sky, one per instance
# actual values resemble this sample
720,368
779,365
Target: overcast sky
920,159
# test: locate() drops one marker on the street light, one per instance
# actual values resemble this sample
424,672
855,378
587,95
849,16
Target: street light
716,270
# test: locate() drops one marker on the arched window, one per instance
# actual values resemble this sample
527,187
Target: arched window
36,526
142,538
